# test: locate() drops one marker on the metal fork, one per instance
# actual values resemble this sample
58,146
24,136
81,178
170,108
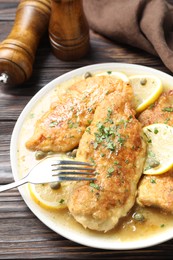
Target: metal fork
54,170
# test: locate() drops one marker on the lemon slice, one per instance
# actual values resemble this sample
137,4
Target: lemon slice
49,198
160,148
147,89
118,75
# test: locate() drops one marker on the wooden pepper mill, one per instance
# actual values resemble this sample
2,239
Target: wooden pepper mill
17,51
68,29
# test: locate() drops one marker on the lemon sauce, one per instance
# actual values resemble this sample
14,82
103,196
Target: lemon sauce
128,229
139,223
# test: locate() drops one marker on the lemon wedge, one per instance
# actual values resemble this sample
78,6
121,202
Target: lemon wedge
118,75
147,89
49,198
159,138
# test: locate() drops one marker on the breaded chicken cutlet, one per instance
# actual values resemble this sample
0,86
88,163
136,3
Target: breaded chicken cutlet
113,143
157,190
61,128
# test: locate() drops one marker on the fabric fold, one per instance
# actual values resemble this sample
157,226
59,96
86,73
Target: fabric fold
145,24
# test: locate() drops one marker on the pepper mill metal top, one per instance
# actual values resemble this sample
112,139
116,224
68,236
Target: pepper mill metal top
68,29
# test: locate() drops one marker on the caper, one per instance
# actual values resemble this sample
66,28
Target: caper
72,153
40,155
154,163
143,81
138,216
50,153
69,154
55,185
87,75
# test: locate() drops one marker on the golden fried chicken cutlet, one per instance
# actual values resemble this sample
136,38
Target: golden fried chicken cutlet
159,112
113,143
157,191
60,129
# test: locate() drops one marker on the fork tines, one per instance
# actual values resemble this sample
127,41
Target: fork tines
65,178
63,168
70,170
67,162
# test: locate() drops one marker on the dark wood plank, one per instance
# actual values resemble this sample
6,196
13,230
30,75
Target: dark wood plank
8,10
6,128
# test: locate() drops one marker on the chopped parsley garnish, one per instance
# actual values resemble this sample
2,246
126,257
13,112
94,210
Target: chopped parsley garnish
53,123
109,112
147,168
90,109
61,201
95,145
151,106
151,154
162,225
88,130
107,133
167,109
89,122
94,185
72,124
111,170
152,180
121,140
167,120
108,119
116,162
92,161
111,146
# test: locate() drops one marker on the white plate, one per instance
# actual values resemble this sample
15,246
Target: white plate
79,235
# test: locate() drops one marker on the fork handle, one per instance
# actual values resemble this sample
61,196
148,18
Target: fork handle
13,184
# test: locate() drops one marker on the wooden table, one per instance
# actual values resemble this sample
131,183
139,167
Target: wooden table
22,235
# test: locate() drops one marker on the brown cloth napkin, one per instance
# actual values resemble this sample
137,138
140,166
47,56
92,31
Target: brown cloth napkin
145,24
